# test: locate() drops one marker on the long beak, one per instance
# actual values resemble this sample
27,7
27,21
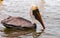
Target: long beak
39,18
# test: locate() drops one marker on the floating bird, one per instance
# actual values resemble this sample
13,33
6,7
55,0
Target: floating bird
22,23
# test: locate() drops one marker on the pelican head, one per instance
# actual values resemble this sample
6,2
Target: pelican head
37,15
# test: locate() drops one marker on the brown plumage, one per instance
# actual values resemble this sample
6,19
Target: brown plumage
17,22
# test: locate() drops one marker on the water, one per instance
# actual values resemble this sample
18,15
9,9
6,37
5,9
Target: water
50,10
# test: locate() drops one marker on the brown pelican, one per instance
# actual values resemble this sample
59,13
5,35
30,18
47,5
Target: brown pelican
19,22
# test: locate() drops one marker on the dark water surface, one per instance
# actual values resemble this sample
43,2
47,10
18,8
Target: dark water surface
50,10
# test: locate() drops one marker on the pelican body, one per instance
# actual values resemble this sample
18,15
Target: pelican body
17,22
21,23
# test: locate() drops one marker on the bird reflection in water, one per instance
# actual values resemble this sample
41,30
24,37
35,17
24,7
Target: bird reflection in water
21,33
